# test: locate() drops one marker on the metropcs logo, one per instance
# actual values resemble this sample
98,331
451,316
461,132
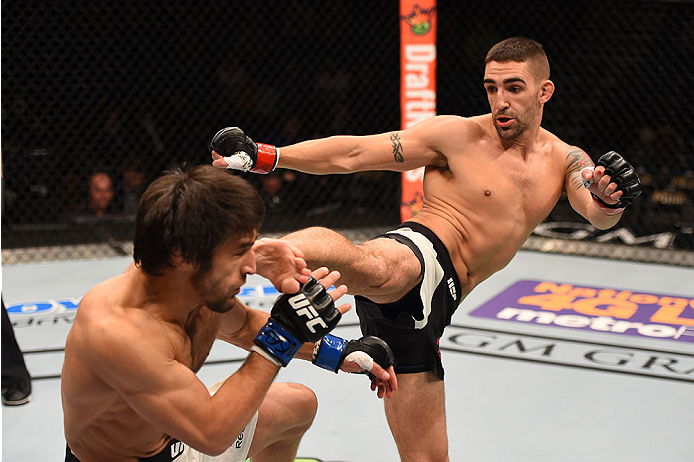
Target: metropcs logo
592,308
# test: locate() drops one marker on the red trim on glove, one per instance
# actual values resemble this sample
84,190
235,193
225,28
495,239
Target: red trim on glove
267,159
606,210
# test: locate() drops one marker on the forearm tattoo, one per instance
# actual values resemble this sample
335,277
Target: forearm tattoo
576,160
397,147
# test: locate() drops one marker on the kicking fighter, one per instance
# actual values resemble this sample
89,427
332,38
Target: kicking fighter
489,181
129,385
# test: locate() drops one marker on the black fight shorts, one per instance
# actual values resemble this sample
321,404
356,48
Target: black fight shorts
413,325
171,452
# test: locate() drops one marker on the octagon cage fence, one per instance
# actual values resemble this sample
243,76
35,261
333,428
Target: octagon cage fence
129,89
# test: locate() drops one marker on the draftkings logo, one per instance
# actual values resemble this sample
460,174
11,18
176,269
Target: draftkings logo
420,19
596,309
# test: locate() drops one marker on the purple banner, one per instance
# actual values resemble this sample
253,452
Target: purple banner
597,309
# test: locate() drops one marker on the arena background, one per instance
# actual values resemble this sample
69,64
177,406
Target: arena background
142,86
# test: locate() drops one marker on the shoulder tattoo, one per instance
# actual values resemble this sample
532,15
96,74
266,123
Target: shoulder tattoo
577,160
397,147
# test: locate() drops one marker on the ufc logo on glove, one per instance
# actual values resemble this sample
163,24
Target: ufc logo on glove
288,328
303,308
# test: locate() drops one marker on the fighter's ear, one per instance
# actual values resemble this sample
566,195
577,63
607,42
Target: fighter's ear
546,90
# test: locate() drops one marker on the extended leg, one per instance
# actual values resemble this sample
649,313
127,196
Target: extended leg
380,269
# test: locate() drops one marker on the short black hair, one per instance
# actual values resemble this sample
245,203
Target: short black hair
521,49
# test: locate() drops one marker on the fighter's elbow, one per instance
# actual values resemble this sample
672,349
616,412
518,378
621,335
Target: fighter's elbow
215,442
205,444
216,450
350,160
349,163
210,449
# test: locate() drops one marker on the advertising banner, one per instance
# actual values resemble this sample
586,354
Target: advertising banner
595,309
417,86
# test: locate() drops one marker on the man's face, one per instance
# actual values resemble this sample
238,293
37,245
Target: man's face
133,178
232,261
101,191
514,97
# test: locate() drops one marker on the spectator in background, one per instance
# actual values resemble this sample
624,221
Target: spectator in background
100,195
271,186
279,190
130,185
99,202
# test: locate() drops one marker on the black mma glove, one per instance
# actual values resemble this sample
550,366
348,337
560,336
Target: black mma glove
331,351
295,319
623,174
242,153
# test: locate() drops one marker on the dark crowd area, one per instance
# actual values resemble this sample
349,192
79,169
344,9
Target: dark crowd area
98,98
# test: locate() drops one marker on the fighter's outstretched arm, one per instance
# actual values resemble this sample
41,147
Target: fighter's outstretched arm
417,146
396,151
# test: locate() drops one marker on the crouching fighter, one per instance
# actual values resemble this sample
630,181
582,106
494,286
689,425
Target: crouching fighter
129,385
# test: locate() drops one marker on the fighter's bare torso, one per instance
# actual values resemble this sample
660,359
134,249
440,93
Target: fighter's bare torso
487,198
99,423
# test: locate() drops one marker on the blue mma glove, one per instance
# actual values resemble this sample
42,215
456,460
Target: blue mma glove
331,351
306,316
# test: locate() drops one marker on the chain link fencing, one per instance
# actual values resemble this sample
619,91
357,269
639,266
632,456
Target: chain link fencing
98,98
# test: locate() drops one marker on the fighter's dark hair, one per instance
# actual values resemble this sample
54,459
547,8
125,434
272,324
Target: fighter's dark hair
521,49
193,211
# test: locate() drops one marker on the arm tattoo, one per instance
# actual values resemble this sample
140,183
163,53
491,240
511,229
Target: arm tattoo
576,160
397,147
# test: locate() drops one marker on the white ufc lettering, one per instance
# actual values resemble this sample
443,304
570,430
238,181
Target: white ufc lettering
298,301
304,308
313,322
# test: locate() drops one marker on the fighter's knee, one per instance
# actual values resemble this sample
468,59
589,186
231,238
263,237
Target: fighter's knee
304,396
303,402
380,276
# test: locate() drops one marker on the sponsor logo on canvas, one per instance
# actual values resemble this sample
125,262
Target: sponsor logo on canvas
597,309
